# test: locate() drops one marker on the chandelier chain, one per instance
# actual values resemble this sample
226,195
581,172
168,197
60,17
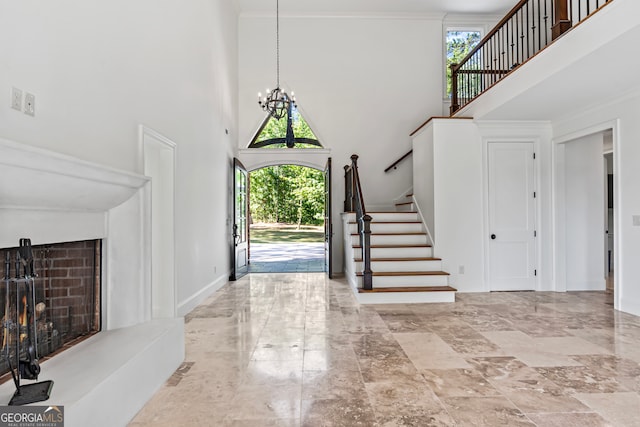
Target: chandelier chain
278,43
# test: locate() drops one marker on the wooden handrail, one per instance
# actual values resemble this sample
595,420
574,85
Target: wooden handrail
529,27
354,202
395,164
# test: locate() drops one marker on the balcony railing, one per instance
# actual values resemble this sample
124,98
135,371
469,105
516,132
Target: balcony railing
527,29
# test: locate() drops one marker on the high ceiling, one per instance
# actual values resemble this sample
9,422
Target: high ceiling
376,7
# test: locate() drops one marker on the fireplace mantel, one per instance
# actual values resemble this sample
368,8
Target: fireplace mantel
34,178
51,197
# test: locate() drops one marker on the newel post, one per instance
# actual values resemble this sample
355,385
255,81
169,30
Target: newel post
562,22
367,281
348,190
455,106
354,173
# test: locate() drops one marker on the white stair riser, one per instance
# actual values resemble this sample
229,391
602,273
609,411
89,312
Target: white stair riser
393,239
405,208
422,252
405,297
385,266
394,216
393,227
407,281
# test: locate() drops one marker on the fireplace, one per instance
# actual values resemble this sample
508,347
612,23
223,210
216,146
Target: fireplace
67,296
51,197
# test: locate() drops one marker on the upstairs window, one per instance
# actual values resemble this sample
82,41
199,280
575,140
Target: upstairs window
459,42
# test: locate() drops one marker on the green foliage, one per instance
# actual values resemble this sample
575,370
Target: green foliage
459,44
287,194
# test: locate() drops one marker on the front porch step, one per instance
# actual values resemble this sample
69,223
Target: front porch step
398,251
394,238
407,295
403,279
390,227
402,264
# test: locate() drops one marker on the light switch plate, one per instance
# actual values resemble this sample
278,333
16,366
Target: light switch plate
636,220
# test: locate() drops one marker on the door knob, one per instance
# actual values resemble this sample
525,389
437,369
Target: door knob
493,237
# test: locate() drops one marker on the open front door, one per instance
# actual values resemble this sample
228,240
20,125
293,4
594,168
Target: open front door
328,226
240,249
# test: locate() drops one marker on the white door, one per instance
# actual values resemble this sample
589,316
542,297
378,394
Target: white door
512,265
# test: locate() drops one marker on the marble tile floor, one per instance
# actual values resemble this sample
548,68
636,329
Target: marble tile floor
298,350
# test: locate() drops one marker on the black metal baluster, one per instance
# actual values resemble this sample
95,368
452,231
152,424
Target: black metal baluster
546,24
528,36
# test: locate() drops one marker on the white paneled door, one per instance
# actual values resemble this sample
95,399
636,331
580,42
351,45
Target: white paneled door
512,233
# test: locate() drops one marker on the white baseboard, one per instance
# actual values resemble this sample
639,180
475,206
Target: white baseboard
587,285
193,301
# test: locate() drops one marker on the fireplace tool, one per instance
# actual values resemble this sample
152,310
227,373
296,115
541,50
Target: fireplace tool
23,328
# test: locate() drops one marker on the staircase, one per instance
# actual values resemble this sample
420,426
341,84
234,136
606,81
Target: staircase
404,268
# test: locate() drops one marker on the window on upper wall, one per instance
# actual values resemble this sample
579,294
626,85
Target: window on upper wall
458,43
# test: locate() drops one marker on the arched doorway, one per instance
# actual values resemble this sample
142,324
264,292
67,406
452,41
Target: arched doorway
290,219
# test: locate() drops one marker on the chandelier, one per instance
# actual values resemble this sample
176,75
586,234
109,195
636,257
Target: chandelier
277,102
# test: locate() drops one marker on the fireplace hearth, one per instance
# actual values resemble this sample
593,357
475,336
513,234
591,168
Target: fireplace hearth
67,296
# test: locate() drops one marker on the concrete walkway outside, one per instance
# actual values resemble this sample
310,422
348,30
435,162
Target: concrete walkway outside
286,257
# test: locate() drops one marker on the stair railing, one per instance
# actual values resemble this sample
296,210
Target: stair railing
354,202
395,164
528,28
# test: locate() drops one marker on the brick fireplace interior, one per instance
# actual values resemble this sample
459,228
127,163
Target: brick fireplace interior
67,297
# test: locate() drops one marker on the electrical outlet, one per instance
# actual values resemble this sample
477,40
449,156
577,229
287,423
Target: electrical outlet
30,104
461,269
16,99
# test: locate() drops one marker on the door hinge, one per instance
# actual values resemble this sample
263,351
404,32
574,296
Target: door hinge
534,156
534,194
535,272
535,233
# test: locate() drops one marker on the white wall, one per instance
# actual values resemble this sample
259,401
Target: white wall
99,69
622,115
423,175
450,180
458,202
362,83
584,213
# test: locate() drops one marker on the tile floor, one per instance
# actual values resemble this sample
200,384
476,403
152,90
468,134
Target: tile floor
298,350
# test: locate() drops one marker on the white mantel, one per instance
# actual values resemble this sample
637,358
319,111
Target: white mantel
50,197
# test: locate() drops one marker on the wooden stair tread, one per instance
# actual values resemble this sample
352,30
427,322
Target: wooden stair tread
404,203
410,289
401,259
417,245
408,233
390,222
405,273
393,212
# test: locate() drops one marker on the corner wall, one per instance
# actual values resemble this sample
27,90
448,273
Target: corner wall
100,69
623,114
